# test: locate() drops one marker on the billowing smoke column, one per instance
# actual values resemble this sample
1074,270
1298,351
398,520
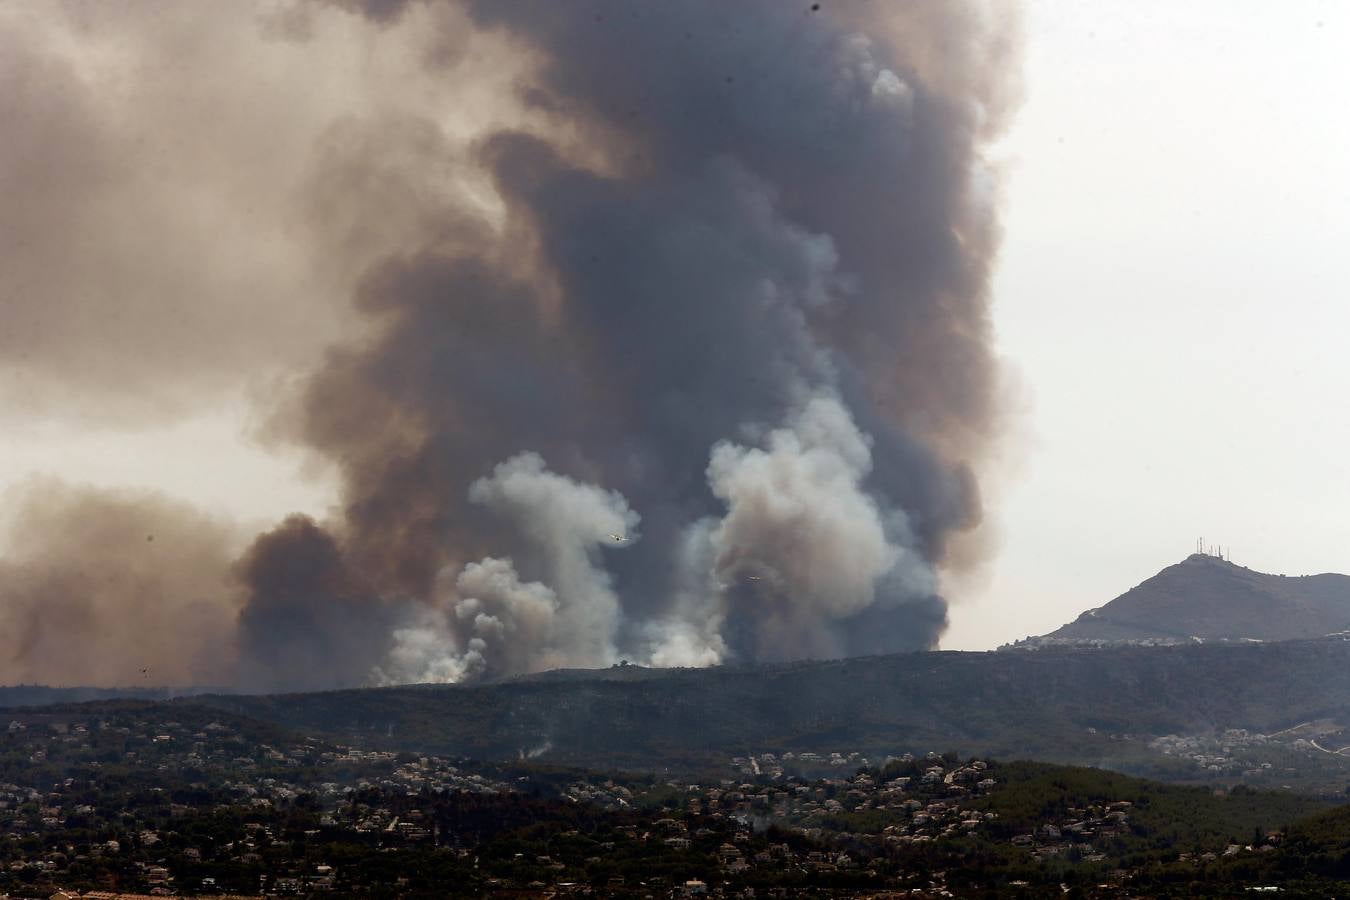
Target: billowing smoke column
740,292
683,359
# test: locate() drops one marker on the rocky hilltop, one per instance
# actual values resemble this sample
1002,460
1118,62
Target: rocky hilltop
1205,598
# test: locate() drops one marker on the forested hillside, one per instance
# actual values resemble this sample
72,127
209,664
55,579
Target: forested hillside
1086,706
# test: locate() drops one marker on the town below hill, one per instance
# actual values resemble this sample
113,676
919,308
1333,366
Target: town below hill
101,799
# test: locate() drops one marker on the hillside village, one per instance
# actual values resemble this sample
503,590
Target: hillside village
123,799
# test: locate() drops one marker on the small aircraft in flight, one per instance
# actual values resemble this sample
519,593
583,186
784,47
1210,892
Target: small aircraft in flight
618,538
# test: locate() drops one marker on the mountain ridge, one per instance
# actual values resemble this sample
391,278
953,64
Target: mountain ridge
1205,598
1058,704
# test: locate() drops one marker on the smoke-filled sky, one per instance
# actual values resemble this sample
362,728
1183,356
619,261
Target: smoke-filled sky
359,342
611,331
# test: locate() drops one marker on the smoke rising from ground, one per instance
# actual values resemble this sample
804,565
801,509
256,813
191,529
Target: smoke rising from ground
563,525
803,549
716,269
147,600
506,628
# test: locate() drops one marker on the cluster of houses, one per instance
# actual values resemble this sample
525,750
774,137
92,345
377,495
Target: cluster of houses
804,762
62,755
919,807
853,816
1254,756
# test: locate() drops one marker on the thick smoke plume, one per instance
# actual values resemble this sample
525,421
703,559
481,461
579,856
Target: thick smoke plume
148,600
803,551
717,270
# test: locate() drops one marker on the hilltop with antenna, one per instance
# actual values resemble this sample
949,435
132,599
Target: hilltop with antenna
1206,597
1214,550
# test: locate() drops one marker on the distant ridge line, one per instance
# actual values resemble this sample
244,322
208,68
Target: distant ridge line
1206,597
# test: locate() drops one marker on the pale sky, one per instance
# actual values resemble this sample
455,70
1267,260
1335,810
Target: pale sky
1169,301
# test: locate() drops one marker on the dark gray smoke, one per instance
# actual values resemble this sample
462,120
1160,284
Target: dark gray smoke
740,286
308,622
670,333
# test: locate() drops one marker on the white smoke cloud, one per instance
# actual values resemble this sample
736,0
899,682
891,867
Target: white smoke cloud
691,635
801,550
512,623
801,546
566,523
863,75
493,624
425,652
796,512
684,644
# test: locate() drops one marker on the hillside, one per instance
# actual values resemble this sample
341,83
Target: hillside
19,695
1069,705
1210,599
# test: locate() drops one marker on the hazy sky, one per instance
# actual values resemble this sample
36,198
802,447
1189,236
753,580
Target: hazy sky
1171,300
1169,303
